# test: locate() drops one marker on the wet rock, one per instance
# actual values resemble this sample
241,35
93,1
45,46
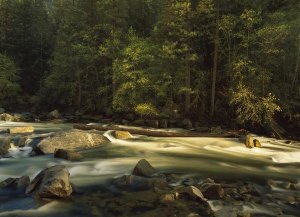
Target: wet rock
139,183
249,141
226,212
143,168
53,182
19,141
122,135
167,198
257,143
67,155
23,182
16,183
4,145
189,181
192,192
21,130
70,140
2,110
8,183
212,191
54,114
6,117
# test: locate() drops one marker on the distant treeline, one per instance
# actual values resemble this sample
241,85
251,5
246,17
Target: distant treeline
200,59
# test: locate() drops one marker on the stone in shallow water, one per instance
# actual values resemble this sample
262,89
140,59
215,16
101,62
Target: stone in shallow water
67,155
20,130
143,168
4,145
212,191
122,135
53,182
140,183
191,191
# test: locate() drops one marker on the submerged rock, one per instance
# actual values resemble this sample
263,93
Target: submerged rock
212,191
53,182
67,155
140,183
16,183
20,130
70,140
122,135
4,145
192,192
143,168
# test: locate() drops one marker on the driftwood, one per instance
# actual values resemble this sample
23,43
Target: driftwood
154,133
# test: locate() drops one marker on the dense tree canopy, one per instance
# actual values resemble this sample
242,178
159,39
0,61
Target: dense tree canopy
231,59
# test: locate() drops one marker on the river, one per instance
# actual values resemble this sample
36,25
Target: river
217,158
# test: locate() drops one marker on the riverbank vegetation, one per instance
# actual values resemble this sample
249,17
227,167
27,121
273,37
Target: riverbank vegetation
204,60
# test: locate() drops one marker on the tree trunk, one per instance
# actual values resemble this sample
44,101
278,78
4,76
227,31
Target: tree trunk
187,93
215,65
154,133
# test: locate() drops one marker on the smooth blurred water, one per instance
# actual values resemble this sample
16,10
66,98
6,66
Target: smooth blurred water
206,157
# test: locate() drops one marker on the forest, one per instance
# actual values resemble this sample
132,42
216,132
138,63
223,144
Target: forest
207,60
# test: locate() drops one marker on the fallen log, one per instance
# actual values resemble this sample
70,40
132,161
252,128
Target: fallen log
153,133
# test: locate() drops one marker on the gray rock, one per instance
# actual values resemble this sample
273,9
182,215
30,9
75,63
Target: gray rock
2,110
53,182
143,168
70,140
212,191
4,145
67,155
139,183
192,192
6,117
54,114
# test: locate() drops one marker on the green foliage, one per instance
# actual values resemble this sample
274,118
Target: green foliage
146,110
253,109
9,88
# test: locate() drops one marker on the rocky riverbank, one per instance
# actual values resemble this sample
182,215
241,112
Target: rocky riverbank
149,192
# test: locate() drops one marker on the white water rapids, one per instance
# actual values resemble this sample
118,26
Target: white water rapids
207,157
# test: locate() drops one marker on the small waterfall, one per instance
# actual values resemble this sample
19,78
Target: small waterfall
18,152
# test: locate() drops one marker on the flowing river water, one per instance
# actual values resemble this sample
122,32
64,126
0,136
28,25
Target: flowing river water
217,158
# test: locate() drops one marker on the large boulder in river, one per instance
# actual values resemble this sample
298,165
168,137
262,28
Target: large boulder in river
53,182
143,168
4,145
21,130
70,140
67,155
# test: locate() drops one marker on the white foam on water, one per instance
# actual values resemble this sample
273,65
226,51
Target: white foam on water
18,152
284,157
